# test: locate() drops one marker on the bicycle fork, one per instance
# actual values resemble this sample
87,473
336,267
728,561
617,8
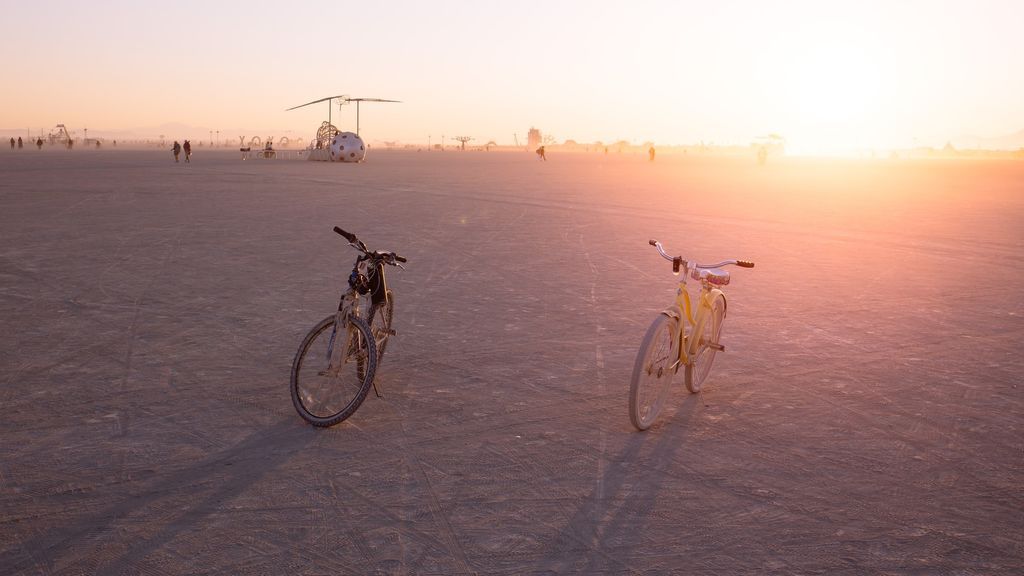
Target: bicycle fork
338,356
335,360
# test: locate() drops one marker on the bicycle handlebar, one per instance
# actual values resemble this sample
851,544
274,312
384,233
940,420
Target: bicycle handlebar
678,260
388,257
348,235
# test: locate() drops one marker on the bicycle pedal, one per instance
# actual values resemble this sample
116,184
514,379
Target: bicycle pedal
390,332
717,347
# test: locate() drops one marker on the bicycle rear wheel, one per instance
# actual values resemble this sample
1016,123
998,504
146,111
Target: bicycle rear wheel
325,395
697,371
655,368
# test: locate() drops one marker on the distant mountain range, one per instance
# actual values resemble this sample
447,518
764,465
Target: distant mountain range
170,131
1013,141
177,130
180,131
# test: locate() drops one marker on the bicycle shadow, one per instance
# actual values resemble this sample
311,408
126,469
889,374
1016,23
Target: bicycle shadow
232,470
593,525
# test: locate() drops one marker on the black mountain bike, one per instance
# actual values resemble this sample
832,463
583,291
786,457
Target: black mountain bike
337,361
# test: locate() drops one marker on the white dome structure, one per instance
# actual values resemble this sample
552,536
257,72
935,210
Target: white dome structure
347,147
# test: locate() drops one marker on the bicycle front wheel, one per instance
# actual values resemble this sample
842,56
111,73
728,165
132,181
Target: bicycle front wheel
657,363
325,391
697,371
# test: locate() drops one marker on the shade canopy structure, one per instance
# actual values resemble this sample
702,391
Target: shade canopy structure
343,99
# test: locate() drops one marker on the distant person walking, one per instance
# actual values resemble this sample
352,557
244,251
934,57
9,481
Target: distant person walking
20,144
188,151
12,143
39,143
176,149
762,155
541,155
650,153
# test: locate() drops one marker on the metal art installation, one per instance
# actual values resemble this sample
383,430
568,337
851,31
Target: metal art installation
324,136
333,145
347,147
58,135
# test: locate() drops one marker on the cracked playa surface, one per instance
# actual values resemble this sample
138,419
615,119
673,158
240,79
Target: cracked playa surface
866,417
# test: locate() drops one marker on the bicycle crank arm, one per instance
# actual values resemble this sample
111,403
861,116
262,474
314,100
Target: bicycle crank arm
717,347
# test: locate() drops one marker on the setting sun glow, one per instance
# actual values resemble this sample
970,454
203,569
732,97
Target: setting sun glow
830,77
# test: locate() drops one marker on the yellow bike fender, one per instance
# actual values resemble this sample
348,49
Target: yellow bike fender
676,313
714,293
673,312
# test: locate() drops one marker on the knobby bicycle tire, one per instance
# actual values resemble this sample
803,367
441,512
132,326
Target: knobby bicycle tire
349,386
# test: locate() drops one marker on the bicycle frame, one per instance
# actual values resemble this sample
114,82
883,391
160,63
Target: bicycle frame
348,305
682,311
367,277
378,282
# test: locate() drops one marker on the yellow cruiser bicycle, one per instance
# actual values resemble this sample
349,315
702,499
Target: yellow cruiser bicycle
679,339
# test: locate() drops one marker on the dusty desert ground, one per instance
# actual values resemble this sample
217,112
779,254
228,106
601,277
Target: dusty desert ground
866,418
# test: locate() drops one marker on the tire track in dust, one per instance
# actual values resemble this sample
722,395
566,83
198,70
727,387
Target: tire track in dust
175,244
452,544
598,497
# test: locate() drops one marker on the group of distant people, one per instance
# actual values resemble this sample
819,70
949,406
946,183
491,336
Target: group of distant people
39,143
177,148
21,144
762,151
762,154
542,154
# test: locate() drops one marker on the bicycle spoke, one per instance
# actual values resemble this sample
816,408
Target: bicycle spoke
327,396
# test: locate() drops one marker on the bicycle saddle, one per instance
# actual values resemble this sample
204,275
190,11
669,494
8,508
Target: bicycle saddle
715,276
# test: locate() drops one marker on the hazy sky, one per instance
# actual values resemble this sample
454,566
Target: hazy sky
825,74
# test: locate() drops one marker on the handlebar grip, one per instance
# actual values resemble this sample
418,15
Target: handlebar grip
652,242
401,258
744,264
348,235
